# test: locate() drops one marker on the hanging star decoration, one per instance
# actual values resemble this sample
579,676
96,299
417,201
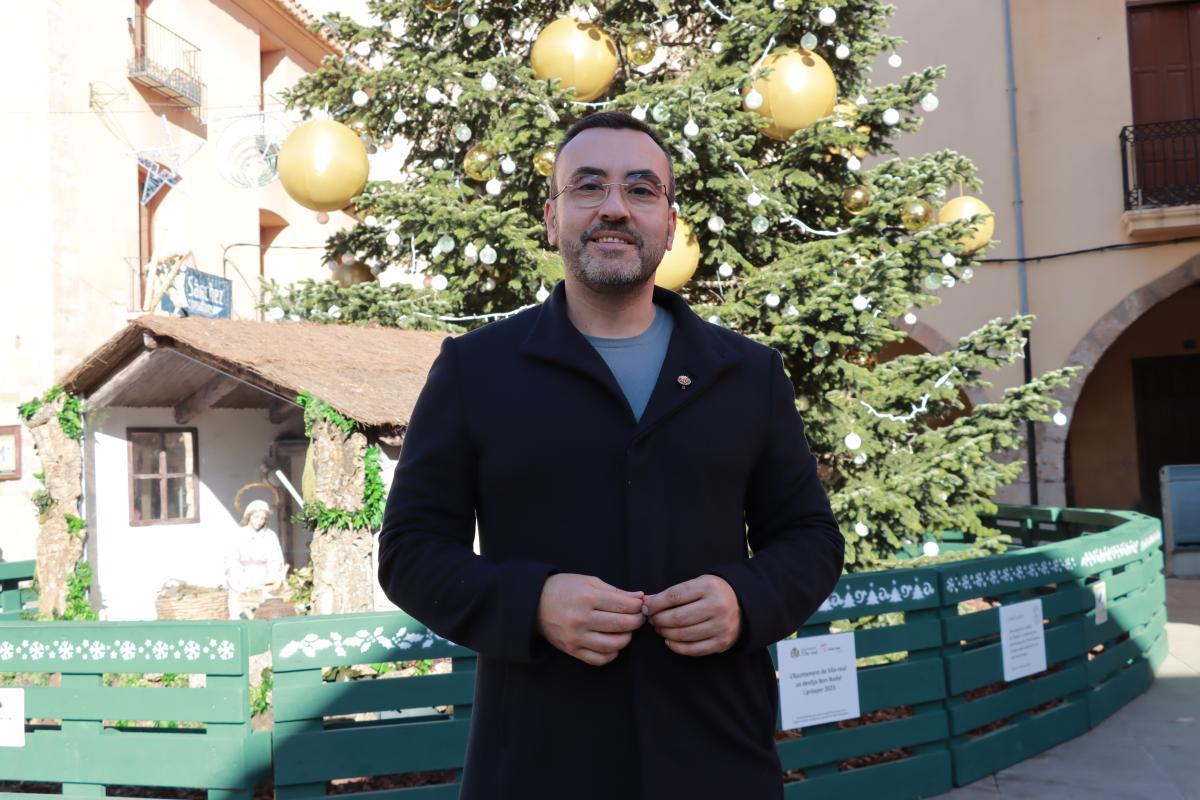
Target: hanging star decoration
162,163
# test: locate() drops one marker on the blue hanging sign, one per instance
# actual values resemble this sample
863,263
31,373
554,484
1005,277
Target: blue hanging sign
204,295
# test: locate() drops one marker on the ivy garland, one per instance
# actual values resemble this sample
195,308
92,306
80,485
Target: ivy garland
70,418
320,517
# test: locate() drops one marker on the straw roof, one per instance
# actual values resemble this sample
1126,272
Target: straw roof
369,374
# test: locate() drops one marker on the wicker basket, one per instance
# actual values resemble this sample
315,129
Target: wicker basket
192,602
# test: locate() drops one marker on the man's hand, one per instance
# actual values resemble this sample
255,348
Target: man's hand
586,618
697,617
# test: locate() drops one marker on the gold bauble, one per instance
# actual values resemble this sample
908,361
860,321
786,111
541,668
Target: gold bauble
477,163
680,262
322,165
916,213
440,6
856,199
640,50
543,160
964,208
580,55
799,90
348,275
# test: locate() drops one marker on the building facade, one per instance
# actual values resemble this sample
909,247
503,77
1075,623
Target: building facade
138,133
1082,117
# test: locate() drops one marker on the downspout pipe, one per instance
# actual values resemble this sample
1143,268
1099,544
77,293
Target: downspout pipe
1019,225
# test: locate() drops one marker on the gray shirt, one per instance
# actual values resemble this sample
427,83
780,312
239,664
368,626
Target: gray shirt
636,361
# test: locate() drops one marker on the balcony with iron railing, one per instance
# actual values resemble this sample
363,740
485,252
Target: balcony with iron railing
167,63
1160,165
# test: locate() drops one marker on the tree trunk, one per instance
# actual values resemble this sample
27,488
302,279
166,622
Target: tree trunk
343,580
62,464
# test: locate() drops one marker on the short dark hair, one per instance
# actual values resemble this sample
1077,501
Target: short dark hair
615,120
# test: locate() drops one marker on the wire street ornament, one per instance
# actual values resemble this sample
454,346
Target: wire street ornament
162,163
248,148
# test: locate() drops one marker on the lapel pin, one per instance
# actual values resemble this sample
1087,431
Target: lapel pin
684,381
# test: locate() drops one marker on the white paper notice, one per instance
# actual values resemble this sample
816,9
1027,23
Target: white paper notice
1100,593
818,680
12,717
1022,639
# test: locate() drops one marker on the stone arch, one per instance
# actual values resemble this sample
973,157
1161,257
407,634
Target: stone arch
1052,439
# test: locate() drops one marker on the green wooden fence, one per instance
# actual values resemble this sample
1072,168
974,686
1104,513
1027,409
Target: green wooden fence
15,593
935,710
317,739
88,734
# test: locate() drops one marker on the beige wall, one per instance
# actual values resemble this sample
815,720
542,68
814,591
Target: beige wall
1104,454
70,208
1073,97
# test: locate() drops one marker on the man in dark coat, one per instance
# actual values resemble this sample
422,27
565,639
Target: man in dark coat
649,514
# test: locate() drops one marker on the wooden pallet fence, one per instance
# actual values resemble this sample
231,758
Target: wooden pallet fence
897,747
15,592
324,730
993,723
88,736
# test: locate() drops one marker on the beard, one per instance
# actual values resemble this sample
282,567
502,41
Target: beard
611,272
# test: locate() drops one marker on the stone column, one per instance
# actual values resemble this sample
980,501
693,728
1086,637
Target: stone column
62,464
343,578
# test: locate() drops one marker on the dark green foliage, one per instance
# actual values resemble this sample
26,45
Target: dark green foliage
79,584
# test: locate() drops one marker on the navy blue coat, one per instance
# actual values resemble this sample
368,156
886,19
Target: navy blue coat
522,424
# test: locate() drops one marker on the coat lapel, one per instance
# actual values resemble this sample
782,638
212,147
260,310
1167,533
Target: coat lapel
555,338
695,353
696,356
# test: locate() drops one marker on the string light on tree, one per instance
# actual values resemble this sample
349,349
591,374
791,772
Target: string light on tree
488,82
439,283
400,117
852,441
660,112
487,255
827,16
930,549
861,529
894,60
462,132
891,116
470,21
639,113
910,318
434,95
392,239
772,300
1059,418
445,243
809,41
821,348
929,102
725,271
842,52
948,260
691,128
360,98
860,302
716,223
494,187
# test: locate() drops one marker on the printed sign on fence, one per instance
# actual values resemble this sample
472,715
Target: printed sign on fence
1100,593
818,680
12,717
1022,639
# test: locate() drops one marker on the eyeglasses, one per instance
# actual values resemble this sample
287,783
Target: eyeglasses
593,193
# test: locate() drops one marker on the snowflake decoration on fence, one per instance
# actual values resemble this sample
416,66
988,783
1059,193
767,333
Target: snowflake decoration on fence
118,650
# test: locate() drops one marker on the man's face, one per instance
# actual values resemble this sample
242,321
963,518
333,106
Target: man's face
585,236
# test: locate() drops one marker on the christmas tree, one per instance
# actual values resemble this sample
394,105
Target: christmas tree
794,241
